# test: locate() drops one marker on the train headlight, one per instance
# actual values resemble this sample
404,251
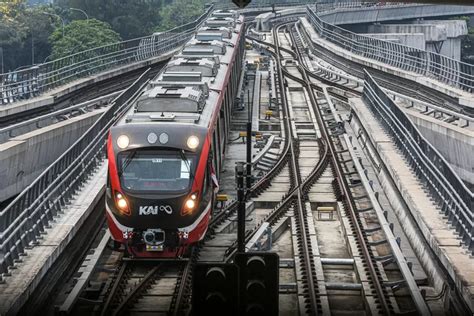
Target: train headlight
193,142
190,204
122,204
123,141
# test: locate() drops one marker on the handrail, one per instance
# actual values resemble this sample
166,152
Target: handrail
321,5
441,68
27,216
452,195
36,122
28,83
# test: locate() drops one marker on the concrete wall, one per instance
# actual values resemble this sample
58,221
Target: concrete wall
441,36
393,13
432,32
416,40
455,30
23,158
454,143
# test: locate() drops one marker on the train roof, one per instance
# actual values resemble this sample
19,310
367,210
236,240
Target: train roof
187,91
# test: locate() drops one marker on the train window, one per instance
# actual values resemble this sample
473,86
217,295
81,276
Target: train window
145,170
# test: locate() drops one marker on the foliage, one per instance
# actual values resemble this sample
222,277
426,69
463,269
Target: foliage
81,35
130,19
180,12
24,32
10,8
467,43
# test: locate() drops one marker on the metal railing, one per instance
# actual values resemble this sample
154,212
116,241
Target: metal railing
26,217
444,69
32,82
446,188
255,5
322,6
23,127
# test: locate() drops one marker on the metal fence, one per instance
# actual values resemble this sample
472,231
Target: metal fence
447,189
321,6
444,69
26,217
31,82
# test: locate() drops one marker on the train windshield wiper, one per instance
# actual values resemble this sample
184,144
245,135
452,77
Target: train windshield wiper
127,161
183,157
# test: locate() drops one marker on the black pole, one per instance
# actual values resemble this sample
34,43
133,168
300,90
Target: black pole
249,143
239,172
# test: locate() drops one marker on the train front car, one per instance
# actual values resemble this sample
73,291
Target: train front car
159,192
165,154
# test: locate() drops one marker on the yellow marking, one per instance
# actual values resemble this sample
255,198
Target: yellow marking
222,197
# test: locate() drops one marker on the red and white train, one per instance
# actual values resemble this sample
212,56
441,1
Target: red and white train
165,154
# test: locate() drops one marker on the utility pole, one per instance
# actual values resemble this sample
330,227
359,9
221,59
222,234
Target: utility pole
32,48
249,142
1,55
58,16
239,172
82,11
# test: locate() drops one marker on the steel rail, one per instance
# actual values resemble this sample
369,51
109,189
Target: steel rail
347,196
115,288
144,282
294,197
305,240
390,87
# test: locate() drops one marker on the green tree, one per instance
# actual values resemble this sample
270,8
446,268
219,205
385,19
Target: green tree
24,31
180,12
10,8
81,35
130,19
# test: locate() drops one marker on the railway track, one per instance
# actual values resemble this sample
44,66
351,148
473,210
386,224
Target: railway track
346,78
296,201
317,165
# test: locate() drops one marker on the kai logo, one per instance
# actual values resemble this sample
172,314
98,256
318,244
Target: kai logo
153,210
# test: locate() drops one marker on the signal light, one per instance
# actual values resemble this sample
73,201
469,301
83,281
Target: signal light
259,282
215,289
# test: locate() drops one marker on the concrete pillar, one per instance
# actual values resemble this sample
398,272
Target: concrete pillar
435,35
455,29
441,36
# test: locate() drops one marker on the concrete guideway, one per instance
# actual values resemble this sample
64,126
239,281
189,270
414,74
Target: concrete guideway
440,237
464,98
23,158
28,273
391,12
450,132
66,90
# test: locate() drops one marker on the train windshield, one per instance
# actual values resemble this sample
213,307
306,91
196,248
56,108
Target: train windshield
146,170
